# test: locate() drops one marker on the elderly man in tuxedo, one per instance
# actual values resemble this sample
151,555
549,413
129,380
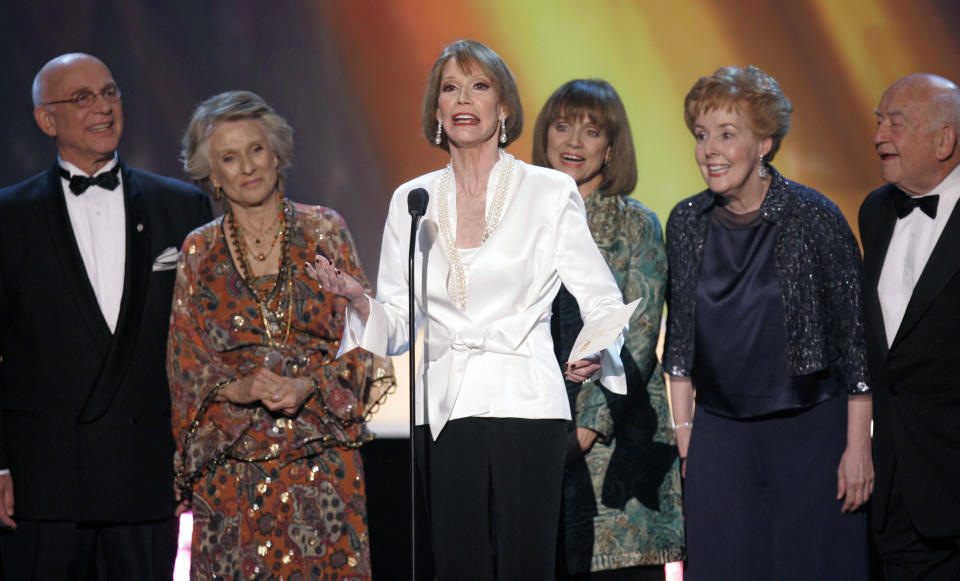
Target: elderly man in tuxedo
88,252
910,230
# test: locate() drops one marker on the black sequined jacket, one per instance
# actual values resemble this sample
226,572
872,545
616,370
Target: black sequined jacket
819,270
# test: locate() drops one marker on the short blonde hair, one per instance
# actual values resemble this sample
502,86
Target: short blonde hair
748,91
469,54
597,100
232,106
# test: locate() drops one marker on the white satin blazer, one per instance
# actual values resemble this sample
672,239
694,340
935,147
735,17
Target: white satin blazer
495,359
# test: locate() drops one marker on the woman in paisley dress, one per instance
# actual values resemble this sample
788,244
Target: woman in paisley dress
268,419
622,515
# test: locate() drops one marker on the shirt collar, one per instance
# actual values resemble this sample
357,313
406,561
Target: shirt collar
74,170
949,187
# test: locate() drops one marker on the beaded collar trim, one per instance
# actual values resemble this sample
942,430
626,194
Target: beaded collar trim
456,277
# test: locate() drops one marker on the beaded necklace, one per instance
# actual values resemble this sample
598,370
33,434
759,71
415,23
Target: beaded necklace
456,278
262,254
270,303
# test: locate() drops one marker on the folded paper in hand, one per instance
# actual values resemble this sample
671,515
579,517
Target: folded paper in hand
599,334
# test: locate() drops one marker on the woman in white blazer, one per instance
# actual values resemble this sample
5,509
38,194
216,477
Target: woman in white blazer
498,239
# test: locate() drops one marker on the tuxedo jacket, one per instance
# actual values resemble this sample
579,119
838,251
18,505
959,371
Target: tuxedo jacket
85,413
917,379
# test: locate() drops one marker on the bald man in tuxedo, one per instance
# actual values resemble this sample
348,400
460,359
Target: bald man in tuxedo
88,251
910,229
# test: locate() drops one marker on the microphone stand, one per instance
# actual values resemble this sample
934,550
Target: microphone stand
413,404
417,205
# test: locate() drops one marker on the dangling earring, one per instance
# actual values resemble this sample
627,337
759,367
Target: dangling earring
439,136
218,193
503,131
762,170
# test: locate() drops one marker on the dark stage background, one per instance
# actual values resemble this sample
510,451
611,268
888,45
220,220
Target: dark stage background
169,56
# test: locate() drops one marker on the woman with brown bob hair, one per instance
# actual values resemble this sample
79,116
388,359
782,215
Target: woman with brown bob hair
616,443
498,238
765,322
267,418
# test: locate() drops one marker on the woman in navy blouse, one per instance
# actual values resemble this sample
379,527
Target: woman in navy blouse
765,328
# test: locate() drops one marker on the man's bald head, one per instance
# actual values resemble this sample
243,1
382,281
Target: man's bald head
70,94
940,96
918,120
48,75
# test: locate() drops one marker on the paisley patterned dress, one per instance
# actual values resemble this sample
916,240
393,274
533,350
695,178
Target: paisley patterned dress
274,497
622,502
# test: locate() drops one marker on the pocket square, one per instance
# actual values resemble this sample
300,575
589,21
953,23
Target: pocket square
167,260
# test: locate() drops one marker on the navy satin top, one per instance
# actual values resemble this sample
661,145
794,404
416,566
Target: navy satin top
740,368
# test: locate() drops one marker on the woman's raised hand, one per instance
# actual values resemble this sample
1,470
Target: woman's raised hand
332,279
335,281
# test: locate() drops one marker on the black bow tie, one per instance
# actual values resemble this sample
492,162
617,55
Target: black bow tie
79,183
905,203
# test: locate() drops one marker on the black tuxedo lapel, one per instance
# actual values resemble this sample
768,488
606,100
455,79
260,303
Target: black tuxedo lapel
74,279
943,264
136,276
875,247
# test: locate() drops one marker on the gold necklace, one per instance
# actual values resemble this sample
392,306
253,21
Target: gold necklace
270,303
261,254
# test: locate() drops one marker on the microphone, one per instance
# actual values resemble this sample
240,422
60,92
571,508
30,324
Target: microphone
417,202
417,206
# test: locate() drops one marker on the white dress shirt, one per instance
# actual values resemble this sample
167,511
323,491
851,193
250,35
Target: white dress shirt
914,237
99,226
495,358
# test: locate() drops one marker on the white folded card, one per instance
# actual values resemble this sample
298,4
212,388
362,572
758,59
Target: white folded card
600,334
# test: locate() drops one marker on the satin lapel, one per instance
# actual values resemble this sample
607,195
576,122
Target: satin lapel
879,241
135,279
71,262
943,264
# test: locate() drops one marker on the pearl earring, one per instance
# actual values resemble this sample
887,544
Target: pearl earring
439,136
503,131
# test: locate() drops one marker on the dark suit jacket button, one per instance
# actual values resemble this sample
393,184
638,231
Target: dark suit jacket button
134,421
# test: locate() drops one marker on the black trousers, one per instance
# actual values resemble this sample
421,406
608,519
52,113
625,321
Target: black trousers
909,556
761,499
69,551
493,489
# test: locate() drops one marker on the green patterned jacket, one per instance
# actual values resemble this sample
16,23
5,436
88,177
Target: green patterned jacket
622,503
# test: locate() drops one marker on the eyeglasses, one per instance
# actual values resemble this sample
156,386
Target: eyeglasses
86,99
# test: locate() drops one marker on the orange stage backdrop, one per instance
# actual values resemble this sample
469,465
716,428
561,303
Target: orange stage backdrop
349,75
833,58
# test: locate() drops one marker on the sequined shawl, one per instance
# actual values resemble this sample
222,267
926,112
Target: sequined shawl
819,270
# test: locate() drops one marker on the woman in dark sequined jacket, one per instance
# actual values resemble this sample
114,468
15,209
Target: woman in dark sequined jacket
765,331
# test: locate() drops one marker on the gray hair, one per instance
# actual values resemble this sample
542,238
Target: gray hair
232,106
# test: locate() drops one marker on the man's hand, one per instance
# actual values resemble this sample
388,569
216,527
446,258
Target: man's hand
6,501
